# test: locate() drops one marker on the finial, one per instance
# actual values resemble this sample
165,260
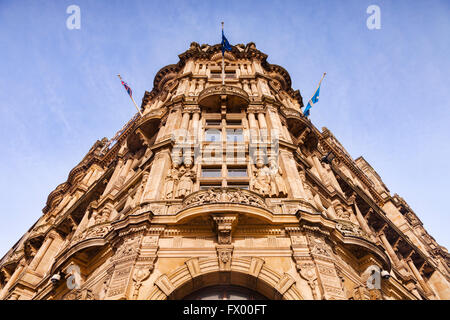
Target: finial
222,25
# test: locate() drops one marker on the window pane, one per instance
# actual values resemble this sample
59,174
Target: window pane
234,122
213,135
213,122
211,172
208,186
240,186
237,172
235,135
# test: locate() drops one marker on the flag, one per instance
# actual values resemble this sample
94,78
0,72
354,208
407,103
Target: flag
130,93
126,87
314,99
225,44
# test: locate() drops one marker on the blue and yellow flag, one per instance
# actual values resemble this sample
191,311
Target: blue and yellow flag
314,99
225,44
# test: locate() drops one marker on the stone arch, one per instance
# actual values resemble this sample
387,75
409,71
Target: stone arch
249,272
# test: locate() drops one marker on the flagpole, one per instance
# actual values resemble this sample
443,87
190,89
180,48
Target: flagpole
324,74
223,62
137,108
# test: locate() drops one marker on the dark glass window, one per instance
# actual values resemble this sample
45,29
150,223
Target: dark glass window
225,293
210,122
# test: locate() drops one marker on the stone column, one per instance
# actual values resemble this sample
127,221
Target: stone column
158,171
253,127
323,175
124,173
254,87
195,126
116,173
87,177
173,120
185,121
362,222
332,178
192,87
41,252
419,278
263,126
12,280
389,249
246,87
291,175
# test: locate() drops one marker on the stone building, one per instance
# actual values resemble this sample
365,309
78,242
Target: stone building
224,191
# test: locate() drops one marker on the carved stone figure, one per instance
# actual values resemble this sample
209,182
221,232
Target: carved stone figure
277,179
186,180
172,179
261,179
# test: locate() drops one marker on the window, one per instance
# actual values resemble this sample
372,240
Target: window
235,135
237,172
240,186
212,122
217,74
213,135
209,186
234,122
211,172
222,292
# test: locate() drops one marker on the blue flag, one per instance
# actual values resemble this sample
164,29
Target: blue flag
225,44
314,99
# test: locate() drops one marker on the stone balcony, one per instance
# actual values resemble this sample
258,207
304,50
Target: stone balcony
211,97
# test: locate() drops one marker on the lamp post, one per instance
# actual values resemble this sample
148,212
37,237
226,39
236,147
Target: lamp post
328,158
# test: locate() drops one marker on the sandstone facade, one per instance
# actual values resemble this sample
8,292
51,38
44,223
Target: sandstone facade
224,185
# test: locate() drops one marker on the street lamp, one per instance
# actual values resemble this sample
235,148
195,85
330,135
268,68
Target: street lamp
328,158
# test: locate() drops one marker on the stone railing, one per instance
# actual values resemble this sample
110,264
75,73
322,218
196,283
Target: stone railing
224,195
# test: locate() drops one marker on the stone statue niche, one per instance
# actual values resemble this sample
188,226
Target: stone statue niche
171,181
187,176
268,180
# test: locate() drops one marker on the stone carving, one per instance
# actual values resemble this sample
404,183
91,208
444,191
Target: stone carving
105,287
127,248
260,181
224,225
360,293
349,229
102,215
187,178
277,183
341,213
223,195
140,275
98,231
307,271
224,254
318,246
172,179
80,294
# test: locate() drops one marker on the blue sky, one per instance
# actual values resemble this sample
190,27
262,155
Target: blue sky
385,96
